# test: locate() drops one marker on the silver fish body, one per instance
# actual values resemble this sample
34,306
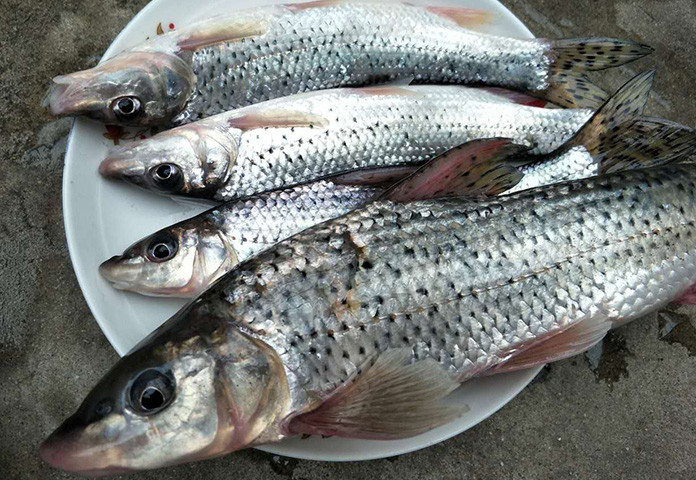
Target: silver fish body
253,55
345,130
463,287
467,284
184,259
356,44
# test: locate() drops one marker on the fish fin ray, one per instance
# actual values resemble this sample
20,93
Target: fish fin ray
471,18
477,168
374,176
277,119
215,32
516,97
388,398
575,339
570,58
649,143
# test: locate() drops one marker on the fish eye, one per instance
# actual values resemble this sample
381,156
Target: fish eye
126,108
162,248
166,176
151,392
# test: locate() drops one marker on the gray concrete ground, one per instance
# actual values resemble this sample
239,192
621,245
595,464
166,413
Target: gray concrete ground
627,413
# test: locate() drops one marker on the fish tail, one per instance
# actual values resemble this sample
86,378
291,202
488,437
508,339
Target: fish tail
572,58
650,142
619,138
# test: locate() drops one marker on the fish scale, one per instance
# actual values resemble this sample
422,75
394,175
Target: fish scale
467,284
355,44
391,129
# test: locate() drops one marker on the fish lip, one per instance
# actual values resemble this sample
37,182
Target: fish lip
60,450
61,99
120,165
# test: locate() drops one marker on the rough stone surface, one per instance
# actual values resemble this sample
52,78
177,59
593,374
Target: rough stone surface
624,411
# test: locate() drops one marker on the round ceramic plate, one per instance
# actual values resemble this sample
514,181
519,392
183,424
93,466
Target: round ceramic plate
103,218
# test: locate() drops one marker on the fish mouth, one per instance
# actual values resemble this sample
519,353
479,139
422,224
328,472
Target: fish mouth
65,98
112,271
120,165
63,450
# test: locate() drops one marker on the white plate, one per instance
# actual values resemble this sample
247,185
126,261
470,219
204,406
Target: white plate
103,218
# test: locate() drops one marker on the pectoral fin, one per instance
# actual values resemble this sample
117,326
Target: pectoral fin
387,399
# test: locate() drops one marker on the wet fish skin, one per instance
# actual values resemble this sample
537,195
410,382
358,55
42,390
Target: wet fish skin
253,55
465,285
363,128
209,245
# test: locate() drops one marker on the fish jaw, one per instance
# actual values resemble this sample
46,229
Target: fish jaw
61,450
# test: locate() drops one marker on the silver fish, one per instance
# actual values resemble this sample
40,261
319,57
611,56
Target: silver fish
184,259
359,326
312,136
254,55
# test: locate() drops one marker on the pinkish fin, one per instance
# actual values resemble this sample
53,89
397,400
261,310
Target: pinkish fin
516,97
277,119
688,297
214,32
374,176
464,17
386,90
571,341
477,168
386,399
298,7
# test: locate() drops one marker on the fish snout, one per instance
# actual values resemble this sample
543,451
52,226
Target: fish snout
122,165
66,97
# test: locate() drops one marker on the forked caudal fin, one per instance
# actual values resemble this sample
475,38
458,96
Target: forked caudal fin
571,58
388,398
618,138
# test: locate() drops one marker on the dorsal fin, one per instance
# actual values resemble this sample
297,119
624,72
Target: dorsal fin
477,168
472,18
215,31
268,118
388,398
392,89
378,177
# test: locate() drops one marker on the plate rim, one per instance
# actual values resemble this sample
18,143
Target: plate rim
71,233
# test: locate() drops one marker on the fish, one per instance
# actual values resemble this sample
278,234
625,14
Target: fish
184,259
253,55
362,326
313,136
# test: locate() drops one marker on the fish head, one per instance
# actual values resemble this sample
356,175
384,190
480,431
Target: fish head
192,394
180,261
193,160
133,88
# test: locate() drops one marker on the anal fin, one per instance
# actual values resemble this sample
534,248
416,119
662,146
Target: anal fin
565,343
387,399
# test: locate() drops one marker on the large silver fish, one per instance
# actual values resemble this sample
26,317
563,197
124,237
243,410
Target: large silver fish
182,260
312,136
258,54
360,326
